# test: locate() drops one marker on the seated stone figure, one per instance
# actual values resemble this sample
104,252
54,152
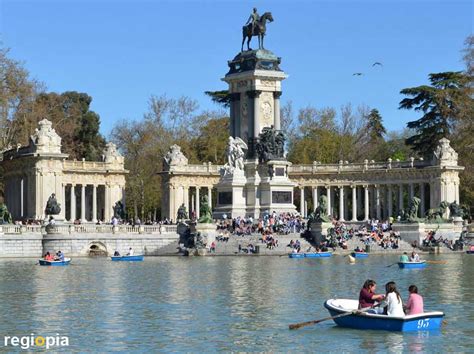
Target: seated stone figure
182,213
320,214
411,214
205,212
5,216
52,206
455,210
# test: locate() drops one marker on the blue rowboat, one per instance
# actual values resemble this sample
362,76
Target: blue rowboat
360,254
137,258
296,255
411,265
318,254
470,252
346,309
44,262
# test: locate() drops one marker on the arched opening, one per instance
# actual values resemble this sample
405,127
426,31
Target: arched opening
97,249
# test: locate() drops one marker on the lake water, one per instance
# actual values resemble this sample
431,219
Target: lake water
225,303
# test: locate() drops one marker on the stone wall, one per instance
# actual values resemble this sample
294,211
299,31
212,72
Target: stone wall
29,245
78,245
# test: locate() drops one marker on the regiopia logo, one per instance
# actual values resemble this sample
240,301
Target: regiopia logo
36,341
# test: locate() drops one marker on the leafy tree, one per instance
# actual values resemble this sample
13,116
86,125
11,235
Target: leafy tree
440,103
375,128
220,97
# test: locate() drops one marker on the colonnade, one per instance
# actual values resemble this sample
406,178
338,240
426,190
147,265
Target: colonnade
365,201
190,196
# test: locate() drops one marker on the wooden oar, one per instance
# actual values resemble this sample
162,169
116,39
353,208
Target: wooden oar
303,324
391,265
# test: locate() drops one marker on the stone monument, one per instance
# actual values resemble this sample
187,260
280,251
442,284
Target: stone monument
255,178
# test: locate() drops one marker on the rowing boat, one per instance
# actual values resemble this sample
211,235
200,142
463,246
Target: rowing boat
318,254
411,265
426,321
360,254
65,262
137,258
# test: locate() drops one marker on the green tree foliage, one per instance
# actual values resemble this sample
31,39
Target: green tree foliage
17,95
144,143
72,119
220,97
440,104
375,128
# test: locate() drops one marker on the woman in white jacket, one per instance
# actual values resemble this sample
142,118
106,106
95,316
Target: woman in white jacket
393,300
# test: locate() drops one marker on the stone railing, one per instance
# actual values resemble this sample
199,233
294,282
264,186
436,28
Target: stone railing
88,228
75,165
205,168
357,167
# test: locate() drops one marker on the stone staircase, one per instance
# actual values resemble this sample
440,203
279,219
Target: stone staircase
231,247
355,242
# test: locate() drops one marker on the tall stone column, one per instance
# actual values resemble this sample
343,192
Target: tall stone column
276,110
197,203
209,196
302,201
94,203
83,203
377,202
254,126
422,199
73,203
366,203
22,188
328,196
315,197
341,203
186,197
235,114
354,203
400,198
389,200
62,214
170,202
412,191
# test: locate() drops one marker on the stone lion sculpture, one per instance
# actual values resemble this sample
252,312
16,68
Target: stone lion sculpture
436,214
182,213
455,210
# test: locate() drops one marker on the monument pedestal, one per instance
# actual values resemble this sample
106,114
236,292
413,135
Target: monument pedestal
231,196
319,231
276,189
208,232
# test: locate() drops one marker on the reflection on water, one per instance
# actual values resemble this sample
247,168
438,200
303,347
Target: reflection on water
225,303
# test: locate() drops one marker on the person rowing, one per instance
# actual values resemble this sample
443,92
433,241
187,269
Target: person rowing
367,295
404,258
414,257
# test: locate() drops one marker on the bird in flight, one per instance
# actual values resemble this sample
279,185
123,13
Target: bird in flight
357,74
377,63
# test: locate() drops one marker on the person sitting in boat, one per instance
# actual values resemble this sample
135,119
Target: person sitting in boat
116,253
414,257
60,256
48,257
358,249
404,257
414,304
130,252
367,295
392,303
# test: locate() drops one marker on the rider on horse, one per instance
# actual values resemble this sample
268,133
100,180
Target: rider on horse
253,19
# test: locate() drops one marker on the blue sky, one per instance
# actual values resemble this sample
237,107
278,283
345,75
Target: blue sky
121,52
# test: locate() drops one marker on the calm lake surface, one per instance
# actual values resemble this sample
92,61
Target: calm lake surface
180,304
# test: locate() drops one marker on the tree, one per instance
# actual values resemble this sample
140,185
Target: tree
17,95
220,97
440,103
375,128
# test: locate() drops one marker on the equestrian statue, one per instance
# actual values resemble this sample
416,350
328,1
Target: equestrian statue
255,26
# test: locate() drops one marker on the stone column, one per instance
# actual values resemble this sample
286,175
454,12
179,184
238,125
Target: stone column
359,199
170,203
412,191
256,113
73,202
83,203
209,196
341,203
315,197
328,195
63,201
197,203
94,203
389,200
400,198
377,202
302,201
366,203
422,199
354,203
22,188
276,110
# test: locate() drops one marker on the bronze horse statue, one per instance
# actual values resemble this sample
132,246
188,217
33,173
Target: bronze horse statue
259,30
